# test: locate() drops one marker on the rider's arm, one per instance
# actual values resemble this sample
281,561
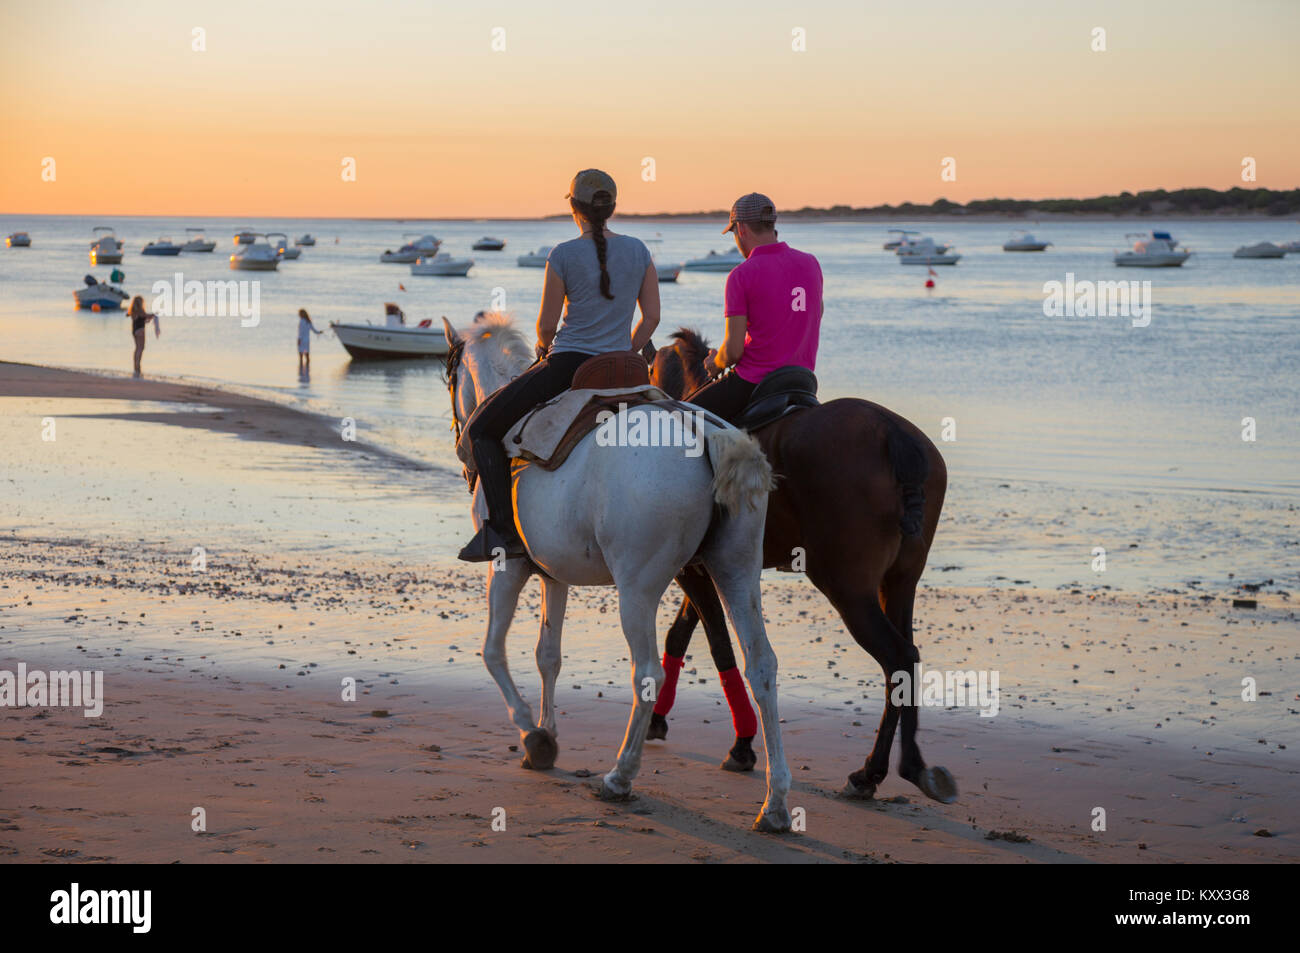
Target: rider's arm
648,297
548,316
733,343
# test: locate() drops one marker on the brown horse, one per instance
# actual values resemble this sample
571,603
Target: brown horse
859,491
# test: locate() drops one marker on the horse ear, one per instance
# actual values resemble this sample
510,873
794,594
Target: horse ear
452,337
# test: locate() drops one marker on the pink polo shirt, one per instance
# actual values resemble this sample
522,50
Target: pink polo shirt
779,290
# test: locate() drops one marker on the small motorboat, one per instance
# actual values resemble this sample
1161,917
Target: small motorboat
1260,250
392,340
195,240
924,251
534,259
667,271
1291,248
442,264
255,255
100,295
715,262
163,246
902,238
19,240
245,237
305,240
1024,241
105,249
423,246
489,244
1156,250
280,242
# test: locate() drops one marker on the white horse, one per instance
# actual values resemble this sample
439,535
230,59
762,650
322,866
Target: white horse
631,517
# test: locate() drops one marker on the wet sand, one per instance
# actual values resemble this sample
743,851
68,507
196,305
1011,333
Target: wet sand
223,691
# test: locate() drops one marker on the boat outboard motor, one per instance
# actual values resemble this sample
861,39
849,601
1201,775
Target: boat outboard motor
91,281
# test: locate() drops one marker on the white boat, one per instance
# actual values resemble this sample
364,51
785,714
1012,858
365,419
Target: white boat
19,240
489,244
667,271
254,255
197,241
534,259
715,262
902,238
924,251
105,249
245,237
280,242
442,264
305,240
1156,250
163,246
1260,250
99,295
423,246
391,340
1024,241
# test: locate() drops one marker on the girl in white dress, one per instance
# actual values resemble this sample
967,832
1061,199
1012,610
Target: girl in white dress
305,330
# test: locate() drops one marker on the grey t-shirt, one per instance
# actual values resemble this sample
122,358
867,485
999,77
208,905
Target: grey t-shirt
592,323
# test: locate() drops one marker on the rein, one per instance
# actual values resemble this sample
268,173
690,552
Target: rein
452,375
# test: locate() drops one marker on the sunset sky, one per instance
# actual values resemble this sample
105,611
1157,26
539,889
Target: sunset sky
441,125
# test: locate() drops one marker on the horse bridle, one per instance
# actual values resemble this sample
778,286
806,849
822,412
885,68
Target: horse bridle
451,372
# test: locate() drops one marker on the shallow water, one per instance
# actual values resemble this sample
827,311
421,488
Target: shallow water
1071,433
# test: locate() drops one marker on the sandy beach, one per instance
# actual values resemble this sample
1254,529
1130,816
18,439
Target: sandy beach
223,692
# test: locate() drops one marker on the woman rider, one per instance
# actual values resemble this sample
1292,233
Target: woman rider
597,280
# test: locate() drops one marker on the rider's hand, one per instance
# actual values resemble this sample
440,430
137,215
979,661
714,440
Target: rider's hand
711,364
540,351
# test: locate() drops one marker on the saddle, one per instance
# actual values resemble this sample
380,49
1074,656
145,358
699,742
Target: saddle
781,392
547,435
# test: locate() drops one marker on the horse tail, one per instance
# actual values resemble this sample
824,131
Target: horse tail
742,477
911,469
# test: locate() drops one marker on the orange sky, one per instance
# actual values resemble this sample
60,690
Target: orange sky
440,125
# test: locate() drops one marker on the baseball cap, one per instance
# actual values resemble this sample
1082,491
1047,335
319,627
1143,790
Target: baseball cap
754,207
588,183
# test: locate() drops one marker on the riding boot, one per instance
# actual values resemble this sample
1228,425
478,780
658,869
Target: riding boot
498,533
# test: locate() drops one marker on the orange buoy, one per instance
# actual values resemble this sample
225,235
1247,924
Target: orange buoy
95,306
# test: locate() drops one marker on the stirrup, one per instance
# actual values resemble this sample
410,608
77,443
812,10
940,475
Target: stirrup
487,544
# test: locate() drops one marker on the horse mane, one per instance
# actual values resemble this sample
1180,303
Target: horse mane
507,349
687,372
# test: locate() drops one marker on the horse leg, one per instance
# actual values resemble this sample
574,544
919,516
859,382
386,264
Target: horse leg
541,745
872,630
899,594
700,591
636,609
675,645
734,565
504,586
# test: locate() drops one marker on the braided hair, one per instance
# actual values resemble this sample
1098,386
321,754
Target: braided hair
597,213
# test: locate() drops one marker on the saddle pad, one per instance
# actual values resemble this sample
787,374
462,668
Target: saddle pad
539,434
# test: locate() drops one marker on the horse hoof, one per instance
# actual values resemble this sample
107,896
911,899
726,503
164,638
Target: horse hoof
542,750
858,792
741,757
607,793
766,824
658,727
938,783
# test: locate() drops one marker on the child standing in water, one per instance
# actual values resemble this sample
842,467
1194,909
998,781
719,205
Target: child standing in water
305,330
140,319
